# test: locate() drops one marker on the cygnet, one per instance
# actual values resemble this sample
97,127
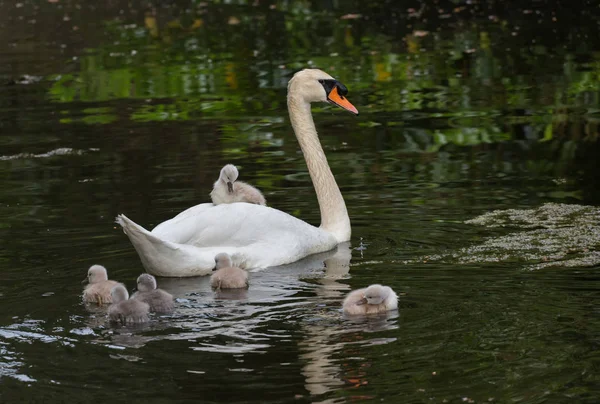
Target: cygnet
158,300
372,300
99,287
228,190
125,310
226,276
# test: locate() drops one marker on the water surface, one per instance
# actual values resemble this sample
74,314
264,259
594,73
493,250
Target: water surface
466,108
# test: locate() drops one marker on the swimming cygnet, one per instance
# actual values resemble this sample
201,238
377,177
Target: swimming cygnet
228,190
99,287
226,276
372,300
125,310
158,300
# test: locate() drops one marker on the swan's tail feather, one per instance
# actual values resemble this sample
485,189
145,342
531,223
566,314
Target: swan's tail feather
165,258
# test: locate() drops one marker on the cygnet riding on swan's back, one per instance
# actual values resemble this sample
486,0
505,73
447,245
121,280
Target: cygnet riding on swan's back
372,300
125,310
226,276
256,236
228,190
98,289
158,300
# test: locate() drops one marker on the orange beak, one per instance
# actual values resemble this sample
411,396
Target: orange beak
335,98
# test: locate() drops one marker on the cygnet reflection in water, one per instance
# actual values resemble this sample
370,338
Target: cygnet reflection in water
324,340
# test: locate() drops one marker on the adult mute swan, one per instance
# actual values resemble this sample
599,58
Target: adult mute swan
255,236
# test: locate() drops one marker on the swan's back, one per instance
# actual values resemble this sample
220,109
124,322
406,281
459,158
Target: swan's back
233,225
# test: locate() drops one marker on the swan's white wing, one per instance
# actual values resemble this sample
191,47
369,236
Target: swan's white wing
255,236
239,225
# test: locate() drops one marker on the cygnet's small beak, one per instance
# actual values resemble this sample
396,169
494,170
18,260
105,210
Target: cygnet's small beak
85,281
362,301
230,187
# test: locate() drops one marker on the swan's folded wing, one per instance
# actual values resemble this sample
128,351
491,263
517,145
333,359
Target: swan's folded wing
255,236
166,258
177,229
238,225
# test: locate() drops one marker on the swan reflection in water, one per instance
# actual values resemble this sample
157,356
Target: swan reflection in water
324,338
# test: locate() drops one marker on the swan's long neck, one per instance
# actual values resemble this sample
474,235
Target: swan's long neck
334,215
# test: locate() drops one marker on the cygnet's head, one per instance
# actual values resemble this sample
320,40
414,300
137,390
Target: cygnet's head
97,273
222,260
119,293
146,283
376,294
314,85
229,174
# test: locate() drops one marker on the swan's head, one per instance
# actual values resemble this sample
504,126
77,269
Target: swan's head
229,174
119,293
146,283
314,85
222,260
375,294
96,273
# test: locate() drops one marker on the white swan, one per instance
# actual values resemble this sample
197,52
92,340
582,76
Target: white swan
255,236
228,190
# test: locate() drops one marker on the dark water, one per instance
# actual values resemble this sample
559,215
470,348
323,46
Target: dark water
466,108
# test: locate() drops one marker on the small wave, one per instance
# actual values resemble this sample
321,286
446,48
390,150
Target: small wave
63,151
